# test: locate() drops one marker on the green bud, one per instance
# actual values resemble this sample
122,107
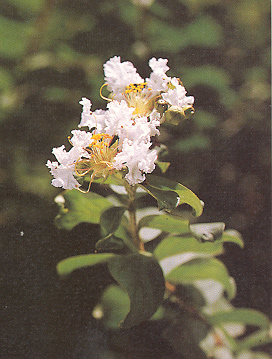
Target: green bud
176,114
161,106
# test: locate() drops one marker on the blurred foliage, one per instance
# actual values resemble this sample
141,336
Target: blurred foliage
52,53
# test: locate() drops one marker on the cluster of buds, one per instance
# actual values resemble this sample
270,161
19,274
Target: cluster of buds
120,137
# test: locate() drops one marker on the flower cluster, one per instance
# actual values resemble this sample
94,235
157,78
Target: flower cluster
120,137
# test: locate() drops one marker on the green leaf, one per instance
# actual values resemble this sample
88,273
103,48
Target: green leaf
80,207
111,218
172,246
141,276
115,305
185,195
242,315
68,265
165,223
167,200
232,236
202,269
111,243
207,232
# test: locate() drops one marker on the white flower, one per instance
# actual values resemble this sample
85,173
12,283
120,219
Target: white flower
158,80
64,169
118,75
92,119
118,117
81,139
138,159
177,96
63,175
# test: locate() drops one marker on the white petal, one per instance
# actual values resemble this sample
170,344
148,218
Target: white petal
119,74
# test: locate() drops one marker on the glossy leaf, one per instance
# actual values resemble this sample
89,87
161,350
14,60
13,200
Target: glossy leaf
68,265
111,243
185,195
243,316
80,207
202,269
141,276
165,223
111,218
167,200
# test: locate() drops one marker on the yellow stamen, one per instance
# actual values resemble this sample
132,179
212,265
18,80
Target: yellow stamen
102,153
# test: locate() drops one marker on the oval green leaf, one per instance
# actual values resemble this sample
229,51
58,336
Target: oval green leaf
141,276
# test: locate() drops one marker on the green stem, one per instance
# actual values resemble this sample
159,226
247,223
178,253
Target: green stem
131,190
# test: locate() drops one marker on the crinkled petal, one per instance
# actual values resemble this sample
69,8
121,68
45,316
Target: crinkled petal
118,117
63,175
119,74
138,159
159,66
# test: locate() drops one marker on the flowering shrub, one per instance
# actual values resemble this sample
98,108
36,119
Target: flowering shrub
177,280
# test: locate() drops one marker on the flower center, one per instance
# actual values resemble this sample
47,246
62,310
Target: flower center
102,151
140,97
